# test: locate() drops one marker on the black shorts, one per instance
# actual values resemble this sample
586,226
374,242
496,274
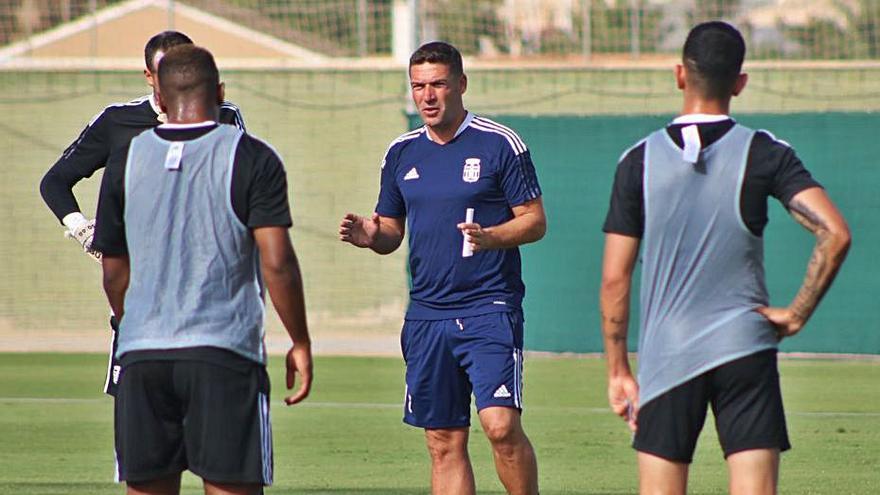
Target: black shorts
746,401
114,367
196,415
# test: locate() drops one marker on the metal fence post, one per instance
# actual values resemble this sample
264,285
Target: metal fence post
362,28
586,29
635,29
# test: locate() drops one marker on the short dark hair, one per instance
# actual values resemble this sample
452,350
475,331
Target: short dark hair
438,52
163,41
188,71
714,53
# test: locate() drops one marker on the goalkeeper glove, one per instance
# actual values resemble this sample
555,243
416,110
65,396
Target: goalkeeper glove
83,231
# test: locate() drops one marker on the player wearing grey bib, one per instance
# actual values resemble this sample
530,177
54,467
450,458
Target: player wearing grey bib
106,133
189,215
694,196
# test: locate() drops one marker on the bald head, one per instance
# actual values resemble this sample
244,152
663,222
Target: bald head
188,78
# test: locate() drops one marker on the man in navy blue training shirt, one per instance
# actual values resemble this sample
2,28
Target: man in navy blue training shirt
467,188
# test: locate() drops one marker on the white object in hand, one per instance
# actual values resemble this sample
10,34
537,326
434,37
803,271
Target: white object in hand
466,249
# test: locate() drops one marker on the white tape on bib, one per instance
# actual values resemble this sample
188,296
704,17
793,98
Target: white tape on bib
692,144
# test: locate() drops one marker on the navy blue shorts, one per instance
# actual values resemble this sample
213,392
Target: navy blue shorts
447,360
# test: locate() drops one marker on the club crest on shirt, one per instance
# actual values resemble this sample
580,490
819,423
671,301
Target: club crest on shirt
471,172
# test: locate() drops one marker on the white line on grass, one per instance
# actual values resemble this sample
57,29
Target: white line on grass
386,405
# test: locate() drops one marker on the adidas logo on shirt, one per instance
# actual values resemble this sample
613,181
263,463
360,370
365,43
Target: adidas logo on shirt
502,392
412,174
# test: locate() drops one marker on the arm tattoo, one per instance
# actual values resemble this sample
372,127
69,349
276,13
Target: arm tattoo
823,264
812,289
806,217
616,327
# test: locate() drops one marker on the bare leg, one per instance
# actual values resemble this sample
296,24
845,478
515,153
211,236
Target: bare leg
658,476
451,471
754,472
214,488
514,456
169,485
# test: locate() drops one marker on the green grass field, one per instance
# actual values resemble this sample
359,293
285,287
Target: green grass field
56,431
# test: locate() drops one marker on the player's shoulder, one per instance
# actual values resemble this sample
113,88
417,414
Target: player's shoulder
406,138
634,153
122,110
255,142
231,114
765,138
504,135
400,142
255,147
229,106
770,155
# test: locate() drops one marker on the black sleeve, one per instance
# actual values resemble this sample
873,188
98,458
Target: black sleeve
626,211
110,221
773,169
259,185
791,177
80,160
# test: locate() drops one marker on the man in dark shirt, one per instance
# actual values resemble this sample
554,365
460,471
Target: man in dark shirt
183,252
109,131
694,197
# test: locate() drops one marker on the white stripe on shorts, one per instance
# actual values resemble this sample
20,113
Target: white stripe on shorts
116,466
265,437
517,399
521,370
109,378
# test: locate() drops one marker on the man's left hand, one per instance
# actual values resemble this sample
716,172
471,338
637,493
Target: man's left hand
786,321
299,360
479,238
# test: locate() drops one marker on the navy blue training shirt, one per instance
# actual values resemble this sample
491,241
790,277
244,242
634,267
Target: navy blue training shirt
486,167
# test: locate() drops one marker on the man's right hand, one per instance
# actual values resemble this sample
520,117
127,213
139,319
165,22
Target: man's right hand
359,231
84,233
